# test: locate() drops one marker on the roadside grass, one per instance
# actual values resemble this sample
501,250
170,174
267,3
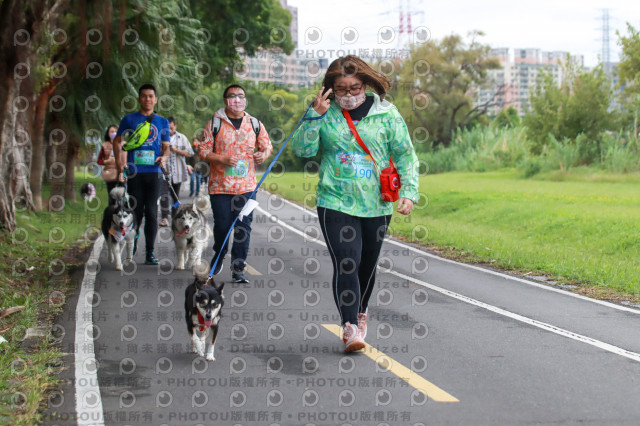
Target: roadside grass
38,258
580,230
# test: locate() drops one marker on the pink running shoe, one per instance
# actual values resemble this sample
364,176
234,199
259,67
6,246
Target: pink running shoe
351,338
362,323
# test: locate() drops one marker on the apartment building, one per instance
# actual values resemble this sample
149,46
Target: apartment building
511,84
272,66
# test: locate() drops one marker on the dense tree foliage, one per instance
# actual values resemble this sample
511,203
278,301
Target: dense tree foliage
581,105
434,86
629,72
71,67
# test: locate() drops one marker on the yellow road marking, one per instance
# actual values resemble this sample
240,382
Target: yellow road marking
389,364
251,270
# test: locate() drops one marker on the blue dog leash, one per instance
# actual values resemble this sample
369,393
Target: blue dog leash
304,118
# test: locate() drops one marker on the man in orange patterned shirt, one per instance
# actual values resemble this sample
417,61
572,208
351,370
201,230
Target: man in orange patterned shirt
232,154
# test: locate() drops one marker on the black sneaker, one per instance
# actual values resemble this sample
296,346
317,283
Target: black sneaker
218,266
151,259
239,277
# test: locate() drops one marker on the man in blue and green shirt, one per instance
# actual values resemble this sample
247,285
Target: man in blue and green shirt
143,165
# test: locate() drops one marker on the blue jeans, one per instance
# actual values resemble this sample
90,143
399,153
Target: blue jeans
226,208
196,177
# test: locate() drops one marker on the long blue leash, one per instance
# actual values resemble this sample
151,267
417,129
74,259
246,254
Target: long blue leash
304,118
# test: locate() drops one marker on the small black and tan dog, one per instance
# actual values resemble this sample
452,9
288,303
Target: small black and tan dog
202,306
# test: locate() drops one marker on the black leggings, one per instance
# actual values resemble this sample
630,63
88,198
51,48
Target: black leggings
354,245
144,189
110,186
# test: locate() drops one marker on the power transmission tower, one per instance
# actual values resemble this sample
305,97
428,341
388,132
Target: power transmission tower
606,50
406,30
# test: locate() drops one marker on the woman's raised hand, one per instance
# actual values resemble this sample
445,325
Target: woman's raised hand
322,101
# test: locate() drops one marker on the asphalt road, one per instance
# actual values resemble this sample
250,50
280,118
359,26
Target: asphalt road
449,344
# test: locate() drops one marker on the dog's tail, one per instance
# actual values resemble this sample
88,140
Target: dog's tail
201,273
118,194
202,204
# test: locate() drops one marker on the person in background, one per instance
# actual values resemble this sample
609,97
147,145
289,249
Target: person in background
351,213
108,161
177,168
195,176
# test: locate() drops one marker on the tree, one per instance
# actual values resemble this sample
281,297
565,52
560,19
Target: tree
229,26
507,117
51,49
629,72
580,105
22,25
434,86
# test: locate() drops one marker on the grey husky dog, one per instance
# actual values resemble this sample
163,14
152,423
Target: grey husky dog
119,227
190,231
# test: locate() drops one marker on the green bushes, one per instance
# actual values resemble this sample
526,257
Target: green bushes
478,150
483,149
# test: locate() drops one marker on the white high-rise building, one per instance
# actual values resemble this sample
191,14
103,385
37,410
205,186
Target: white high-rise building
273,66
511,84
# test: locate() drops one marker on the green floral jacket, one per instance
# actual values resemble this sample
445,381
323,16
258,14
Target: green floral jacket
349,181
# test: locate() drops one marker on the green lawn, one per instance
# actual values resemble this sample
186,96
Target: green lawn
578,230
35,275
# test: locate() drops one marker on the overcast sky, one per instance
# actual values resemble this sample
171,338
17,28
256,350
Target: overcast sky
573,26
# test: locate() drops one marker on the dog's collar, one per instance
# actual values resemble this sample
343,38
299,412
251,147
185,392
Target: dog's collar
201,321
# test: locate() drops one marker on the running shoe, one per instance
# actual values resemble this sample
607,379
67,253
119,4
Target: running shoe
150,259
351,338
362,323
239,277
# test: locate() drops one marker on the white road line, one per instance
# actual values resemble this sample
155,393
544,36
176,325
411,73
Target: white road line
491,272
88,399
548,327
552,328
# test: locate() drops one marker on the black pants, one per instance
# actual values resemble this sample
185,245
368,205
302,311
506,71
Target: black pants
225,209
110,186
354,245
166,195
144,189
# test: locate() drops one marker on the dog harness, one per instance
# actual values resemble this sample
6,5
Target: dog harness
119,234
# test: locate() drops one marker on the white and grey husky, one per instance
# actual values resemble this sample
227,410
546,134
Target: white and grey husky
190,232
119,227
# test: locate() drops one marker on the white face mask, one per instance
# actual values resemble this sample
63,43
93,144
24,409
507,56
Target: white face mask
237,105
112,135
351,102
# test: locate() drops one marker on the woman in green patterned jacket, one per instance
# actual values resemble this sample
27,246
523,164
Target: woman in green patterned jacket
352,215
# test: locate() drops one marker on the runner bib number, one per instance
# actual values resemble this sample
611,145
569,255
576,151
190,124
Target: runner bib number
144,158
240,170
354,166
